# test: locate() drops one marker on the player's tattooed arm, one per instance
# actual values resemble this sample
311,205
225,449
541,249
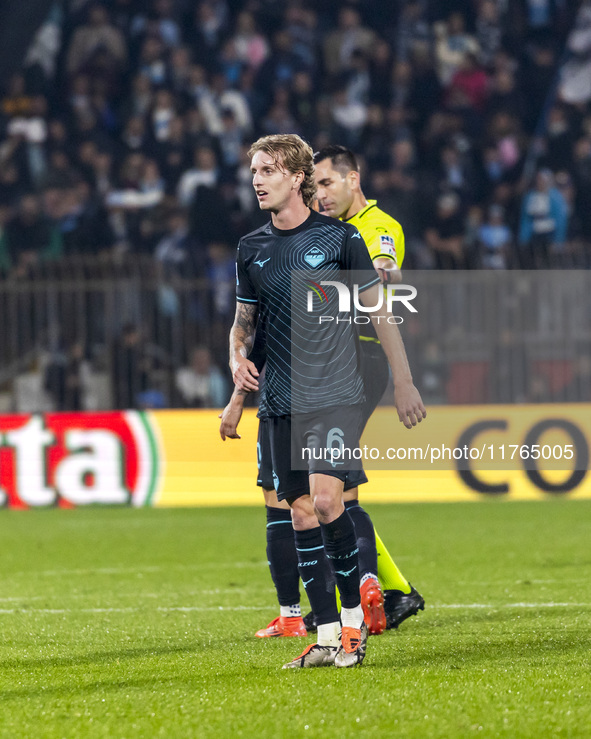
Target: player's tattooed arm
244,372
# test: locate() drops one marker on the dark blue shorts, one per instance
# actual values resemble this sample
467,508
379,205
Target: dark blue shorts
312,443
375,373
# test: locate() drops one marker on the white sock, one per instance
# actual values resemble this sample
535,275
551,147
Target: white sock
328,634
290,611
352,617
368,576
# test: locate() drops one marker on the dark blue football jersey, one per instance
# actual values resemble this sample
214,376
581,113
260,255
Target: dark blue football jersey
311,364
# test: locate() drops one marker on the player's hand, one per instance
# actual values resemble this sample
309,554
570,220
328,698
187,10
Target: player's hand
409,405
230,416
244,374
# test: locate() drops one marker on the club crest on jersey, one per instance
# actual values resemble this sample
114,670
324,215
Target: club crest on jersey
314,257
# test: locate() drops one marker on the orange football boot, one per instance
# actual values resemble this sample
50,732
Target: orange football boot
284,626
353,646
372,602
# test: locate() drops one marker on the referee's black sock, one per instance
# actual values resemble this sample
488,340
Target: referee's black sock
316,575
366,539
282,556
340,543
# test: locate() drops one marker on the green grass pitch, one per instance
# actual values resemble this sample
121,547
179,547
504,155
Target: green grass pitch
139,623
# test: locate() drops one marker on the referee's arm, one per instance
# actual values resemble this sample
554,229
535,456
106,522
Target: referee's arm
384,247
406,397
387,270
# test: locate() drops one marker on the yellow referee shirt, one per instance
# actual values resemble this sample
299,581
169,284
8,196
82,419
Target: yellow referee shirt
382,234
384,237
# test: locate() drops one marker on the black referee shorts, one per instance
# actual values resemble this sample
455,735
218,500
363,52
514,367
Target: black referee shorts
375,373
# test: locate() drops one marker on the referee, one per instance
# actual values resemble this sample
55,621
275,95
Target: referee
340,195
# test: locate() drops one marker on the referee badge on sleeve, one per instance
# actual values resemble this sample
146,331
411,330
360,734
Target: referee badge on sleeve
387,245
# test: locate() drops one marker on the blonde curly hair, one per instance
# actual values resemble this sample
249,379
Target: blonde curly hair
295,155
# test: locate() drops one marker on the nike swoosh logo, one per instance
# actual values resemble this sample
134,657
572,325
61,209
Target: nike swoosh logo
261,263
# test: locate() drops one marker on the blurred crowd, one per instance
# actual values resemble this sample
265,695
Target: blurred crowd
125,133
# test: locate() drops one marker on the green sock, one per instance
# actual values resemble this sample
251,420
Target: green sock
388,573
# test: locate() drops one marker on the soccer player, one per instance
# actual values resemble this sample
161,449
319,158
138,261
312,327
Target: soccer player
311,394
340,195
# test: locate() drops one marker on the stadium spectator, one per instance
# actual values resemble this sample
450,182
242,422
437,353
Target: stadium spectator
575,84
98,35
130,365
179,69
28,238
204,174
504,94
152,62
494,240
178,254
160,21
468,87
201,384
537,69
303,103
222,276
582,178
68,380
489,31
572,253
348,119
544,222
350,36
16,102
455,173
251,46
220,97
445,234
280,67
82,221
279,118
413,32
172,154
425,89
163,111
209,25
452,45
559,139
301,24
